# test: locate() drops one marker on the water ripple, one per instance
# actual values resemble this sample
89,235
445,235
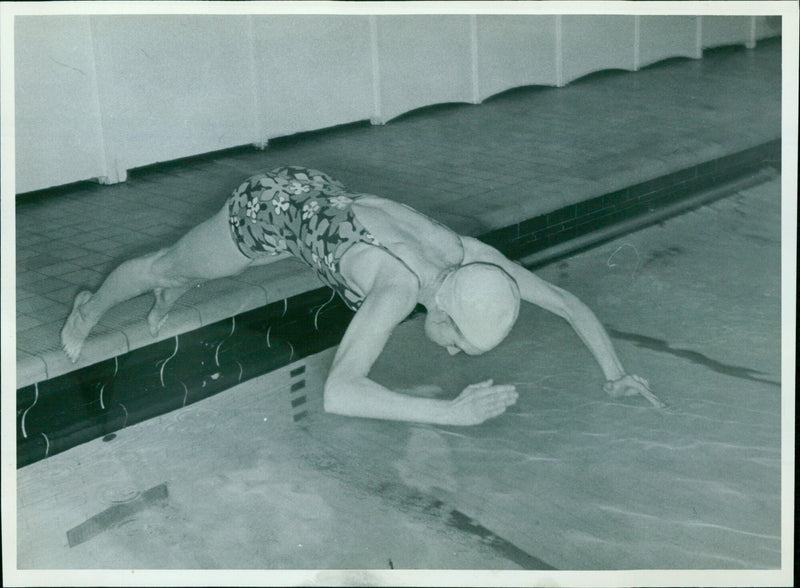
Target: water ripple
698,524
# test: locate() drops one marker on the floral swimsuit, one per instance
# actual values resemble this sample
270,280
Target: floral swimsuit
301,211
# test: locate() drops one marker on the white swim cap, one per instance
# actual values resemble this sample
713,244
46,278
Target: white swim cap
483,301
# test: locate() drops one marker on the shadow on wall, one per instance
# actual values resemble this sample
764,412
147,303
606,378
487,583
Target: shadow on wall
430,109
773,24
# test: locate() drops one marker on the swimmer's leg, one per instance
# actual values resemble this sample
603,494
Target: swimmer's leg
204,253
165,298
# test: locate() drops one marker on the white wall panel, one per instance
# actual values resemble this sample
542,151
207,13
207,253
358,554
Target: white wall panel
58,137
98,95
173,86
594,43
725,30
661,37
422,60
312,71
515,51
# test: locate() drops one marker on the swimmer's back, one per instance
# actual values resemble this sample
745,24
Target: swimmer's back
423,244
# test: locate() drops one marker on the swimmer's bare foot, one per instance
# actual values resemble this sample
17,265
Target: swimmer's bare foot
165,299
158,314
77,327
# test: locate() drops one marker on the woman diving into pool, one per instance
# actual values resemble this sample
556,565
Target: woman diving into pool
382,258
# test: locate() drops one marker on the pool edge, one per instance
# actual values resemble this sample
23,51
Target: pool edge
59,413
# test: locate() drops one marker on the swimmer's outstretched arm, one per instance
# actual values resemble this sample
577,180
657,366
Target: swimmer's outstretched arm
558,301
349,392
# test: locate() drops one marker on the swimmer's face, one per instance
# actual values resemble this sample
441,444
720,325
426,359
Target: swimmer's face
441,329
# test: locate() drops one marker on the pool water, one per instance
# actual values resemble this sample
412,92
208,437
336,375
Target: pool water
568,478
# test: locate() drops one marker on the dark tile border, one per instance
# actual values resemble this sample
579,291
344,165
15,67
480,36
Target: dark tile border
556,227
96,401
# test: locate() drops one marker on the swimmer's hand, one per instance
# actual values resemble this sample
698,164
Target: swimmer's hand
629,385
480,402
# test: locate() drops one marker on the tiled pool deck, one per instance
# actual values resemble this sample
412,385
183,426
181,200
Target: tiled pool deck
479,169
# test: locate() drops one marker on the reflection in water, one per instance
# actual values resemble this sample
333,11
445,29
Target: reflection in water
427,462
427,466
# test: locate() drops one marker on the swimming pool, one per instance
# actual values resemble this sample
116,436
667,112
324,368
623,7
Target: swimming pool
568,478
